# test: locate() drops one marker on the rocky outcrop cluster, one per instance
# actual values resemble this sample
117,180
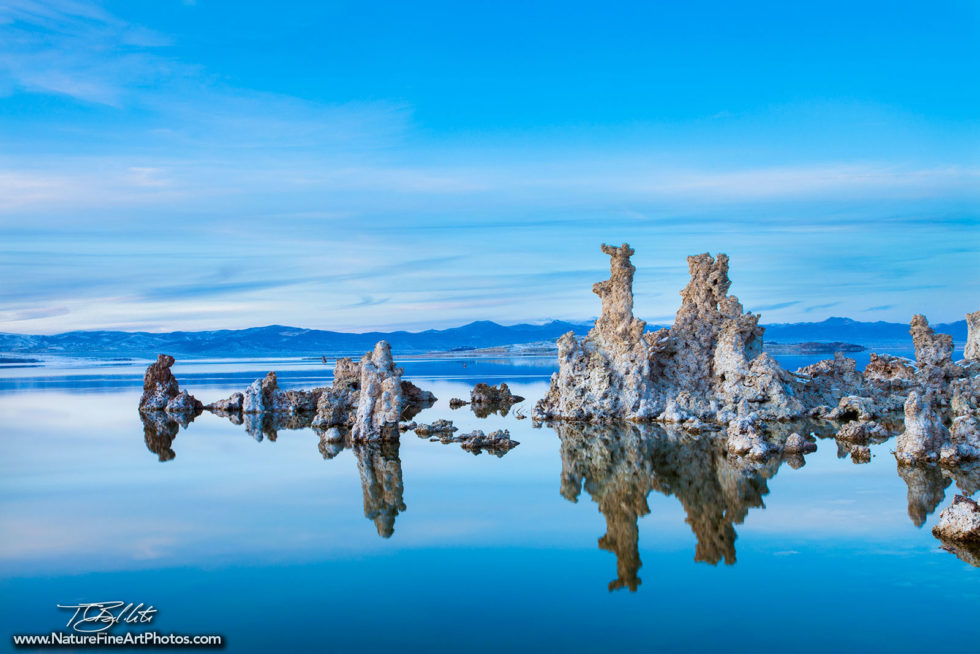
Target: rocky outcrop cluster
498,442
367,399
708,362
709,369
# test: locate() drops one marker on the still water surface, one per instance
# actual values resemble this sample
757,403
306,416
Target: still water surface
599,539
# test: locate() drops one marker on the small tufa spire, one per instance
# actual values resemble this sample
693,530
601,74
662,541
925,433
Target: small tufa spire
617,324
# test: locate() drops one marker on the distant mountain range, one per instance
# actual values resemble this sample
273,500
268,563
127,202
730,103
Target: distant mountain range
277,340
869,334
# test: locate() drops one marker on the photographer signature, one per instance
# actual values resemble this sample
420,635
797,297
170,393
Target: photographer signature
93,617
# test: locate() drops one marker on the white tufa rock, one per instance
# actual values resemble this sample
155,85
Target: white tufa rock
379,404
702,367
924,436
746,438
959,522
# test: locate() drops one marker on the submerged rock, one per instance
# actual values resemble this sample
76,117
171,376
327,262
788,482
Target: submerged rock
498,442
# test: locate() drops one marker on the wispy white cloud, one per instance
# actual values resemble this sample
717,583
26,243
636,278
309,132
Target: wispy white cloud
168,195
126,181
77,49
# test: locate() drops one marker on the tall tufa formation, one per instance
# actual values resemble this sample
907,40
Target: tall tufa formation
933,356
380,402
617,326
709,367
608,373
701,368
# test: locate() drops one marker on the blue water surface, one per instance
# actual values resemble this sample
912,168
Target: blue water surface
576,540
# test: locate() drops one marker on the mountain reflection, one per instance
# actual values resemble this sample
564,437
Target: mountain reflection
618,466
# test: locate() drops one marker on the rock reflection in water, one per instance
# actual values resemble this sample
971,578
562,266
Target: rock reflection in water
381,483
268,425
378,463
927,488
380,470
928,483
619,464
159,432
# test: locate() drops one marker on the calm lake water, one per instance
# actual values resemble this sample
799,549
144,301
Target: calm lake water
610,539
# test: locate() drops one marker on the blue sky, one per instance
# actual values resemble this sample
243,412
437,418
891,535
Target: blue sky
348,165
